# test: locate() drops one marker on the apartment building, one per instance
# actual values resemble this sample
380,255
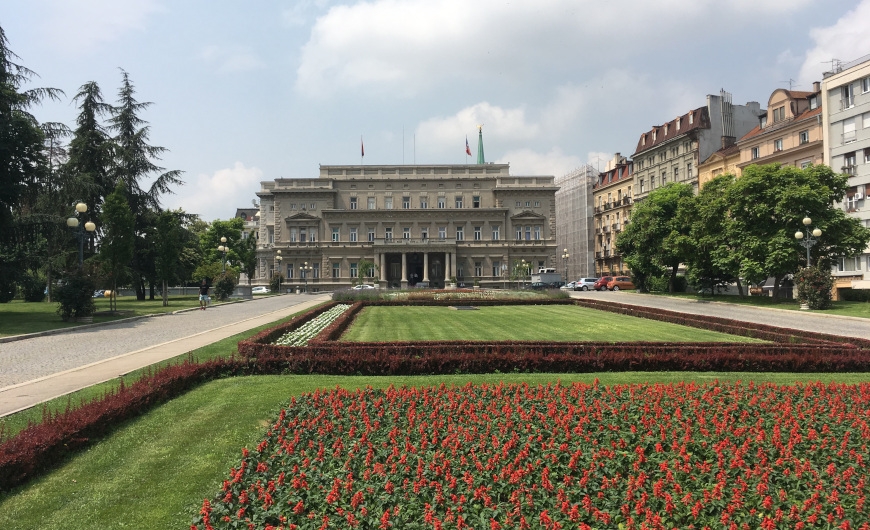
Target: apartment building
612,197
723,161
789,131
845,93
672,152
574,221
419,225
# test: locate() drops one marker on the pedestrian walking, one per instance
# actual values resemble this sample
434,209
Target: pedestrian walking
203,295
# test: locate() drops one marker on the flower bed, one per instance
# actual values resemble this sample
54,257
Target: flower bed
301,335
641,456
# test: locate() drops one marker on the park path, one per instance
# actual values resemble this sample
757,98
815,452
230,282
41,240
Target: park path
40,368
815,321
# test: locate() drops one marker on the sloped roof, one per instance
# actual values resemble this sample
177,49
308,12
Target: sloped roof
757,130
620,173
700,119
725,152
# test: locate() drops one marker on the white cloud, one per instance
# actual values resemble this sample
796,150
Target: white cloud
231,59
498,123
83,25
846,40
217,196
529,162
416,45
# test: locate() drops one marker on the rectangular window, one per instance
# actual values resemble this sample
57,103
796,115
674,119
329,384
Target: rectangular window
847,100
458,201
754,153
477,233
676,174
528,204
406,232
289,271
495,233
804,137
865,85
849,164
335,230
293,235
519,204
519,233
778,114
313,237
460,233
353,235
371,235
865,119
478,269
806,163
406,203
424,233
442,203
641,185
316,270
442,232
689,173
354,271
388,203
496,268
371,203
424,202
336,270
528,233
313,206
777,144
293,206
388,233
848,264
475,202
353,203
537,233
849,134
814,102
867,155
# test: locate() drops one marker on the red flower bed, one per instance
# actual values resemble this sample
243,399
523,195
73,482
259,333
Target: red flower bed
732,456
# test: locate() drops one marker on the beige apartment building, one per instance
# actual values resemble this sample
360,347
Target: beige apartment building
789,132
846,123
672,152
419,225
612,199
723,161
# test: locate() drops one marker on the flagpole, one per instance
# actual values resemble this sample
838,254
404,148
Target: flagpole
362,150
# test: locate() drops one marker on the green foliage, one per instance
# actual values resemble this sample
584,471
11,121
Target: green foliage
210,240
32,287
366,269
275,282
814,286
225,284
208,272
117,245
247,256
7,289
75,296
855,295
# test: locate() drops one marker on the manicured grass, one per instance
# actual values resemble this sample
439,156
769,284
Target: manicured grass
562,323
846,309
17,317
155,471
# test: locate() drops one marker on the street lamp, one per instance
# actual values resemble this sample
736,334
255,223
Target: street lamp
73,222
223,248
523,273
565,257
303,270
278,259
808,239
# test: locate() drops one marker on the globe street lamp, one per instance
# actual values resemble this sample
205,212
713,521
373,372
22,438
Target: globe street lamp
223,248
303,270
73,222
278,260
807,238
565,257
523,266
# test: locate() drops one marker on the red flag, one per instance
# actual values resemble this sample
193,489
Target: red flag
362,147
467,149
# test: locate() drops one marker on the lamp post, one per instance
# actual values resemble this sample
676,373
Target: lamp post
278,260
73,222
808,238
223,248
504,268
565,257
523,273
303,270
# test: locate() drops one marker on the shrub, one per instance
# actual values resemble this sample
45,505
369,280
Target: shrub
7,289
32,287
275,282
814,287
224,285
855,295
75,296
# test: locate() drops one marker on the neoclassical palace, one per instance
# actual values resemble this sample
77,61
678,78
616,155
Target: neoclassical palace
417,225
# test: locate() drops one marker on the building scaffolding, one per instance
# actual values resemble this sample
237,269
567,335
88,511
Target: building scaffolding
574,229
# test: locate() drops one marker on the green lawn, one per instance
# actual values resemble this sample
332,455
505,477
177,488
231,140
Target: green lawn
18,317
846,309
155,471
563,323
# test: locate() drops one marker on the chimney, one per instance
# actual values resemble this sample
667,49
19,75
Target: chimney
817,87
728,141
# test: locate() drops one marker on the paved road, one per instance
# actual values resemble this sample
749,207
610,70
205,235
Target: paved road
786,318
40,368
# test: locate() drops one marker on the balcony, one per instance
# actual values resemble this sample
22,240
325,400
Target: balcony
607,229
616,227
850,170
847,103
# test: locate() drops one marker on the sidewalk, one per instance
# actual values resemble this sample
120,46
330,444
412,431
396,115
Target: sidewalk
27,394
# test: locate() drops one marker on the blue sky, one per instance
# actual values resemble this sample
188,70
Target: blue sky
250,91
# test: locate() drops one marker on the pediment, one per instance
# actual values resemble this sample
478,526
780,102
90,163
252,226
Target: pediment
527,215
301,216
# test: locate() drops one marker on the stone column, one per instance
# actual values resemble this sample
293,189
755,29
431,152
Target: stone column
453,264
425,266
404,283
382,259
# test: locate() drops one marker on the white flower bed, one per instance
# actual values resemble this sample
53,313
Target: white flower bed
301,335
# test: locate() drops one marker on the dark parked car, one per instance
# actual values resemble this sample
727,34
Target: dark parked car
601,283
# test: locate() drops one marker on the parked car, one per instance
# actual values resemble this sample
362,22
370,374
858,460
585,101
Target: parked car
601,283
260,290
98,293
584,284
620,282
539,286
569,286
362,286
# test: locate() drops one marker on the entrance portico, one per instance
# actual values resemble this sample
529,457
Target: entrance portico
405,263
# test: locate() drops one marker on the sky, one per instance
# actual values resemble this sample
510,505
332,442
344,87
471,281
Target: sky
244,92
